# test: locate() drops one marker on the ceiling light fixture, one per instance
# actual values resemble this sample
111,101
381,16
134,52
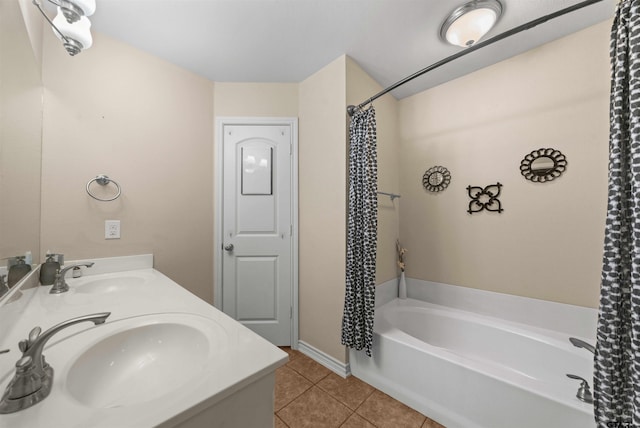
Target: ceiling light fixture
467,24
71,24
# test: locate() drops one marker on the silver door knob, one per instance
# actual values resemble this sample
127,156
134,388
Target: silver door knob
228,247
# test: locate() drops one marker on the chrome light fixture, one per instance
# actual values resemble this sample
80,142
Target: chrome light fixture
470,22
71,24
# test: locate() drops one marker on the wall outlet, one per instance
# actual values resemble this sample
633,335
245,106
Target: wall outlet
112,229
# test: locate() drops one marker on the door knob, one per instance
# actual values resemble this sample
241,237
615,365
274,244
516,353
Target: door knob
228,247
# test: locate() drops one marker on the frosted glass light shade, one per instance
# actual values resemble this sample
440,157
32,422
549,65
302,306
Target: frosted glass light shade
79,31
75,9
466,25
87,6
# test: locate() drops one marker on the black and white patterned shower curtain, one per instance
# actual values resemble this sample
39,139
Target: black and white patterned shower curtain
617,360
362,230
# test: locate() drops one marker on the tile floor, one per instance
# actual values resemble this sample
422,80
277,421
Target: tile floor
308,395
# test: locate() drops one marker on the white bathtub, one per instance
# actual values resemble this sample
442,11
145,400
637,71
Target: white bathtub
469,370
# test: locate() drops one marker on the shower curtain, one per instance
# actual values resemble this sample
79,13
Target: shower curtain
617,359
362,229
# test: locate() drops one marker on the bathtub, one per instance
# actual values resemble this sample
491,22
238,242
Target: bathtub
470,370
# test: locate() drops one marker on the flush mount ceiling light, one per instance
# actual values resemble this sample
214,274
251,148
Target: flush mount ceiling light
71,24
470,22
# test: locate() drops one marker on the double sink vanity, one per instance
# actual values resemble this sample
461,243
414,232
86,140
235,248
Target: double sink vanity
156,356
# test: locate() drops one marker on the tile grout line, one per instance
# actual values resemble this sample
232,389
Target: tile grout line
360,405
281,420
293,399
331,396
316,384
353,411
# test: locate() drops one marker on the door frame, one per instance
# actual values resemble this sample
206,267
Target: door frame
218,175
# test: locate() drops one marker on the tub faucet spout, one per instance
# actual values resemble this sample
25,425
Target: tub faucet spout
582,344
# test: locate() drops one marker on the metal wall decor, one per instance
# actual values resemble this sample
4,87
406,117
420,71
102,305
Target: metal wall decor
436,179
485,198
543,165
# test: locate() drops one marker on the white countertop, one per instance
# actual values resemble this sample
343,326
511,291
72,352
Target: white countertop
242,358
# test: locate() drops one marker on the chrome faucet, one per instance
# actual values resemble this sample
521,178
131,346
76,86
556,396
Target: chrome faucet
584,393
34,377
582,344
60,285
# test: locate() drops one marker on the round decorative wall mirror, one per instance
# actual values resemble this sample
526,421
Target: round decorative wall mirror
543,165
436,179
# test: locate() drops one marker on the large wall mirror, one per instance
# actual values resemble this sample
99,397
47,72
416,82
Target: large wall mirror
21,93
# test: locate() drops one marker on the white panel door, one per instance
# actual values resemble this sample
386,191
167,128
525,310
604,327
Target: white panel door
257,229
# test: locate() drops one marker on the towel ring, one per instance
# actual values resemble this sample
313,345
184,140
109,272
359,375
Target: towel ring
103,180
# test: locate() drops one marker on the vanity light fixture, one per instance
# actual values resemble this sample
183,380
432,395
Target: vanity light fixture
467,24
71,24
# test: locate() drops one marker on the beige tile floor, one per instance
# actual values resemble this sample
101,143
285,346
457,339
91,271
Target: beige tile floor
308,395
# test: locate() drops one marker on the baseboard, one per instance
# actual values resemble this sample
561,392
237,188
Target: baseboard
338,367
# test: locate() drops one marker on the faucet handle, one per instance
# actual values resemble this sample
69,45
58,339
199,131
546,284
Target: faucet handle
584,393
24,345
33,334
572,376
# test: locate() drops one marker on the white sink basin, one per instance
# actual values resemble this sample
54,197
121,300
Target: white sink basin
109,285
140,359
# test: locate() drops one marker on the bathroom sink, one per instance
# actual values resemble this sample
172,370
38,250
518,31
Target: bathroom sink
109,285
143,358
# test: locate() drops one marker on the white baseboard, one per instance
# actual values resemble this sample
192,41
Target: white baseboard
338,367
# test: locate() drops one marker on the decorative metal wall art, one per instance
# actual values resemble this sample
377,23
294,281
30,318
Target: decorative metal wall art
485,198
436,179
543,165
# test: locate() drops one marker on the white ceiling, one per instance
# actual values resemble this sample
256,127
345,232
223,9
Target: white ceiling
289,40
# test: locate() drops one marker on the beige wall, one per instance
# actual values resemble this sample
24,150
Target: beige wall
20,129
322,207
256,99
361,86
35,25
148,125
547,243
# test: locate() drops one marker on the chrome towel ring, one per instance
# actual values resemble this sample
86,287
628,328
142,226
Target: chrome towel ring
103,180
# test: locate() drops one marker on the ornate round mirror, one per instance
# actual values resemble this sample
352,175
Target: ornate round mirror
436,179
543,165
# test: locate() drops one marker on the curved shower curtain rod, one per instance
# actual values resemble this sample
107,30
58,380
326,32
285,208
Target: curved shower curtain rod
352,109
